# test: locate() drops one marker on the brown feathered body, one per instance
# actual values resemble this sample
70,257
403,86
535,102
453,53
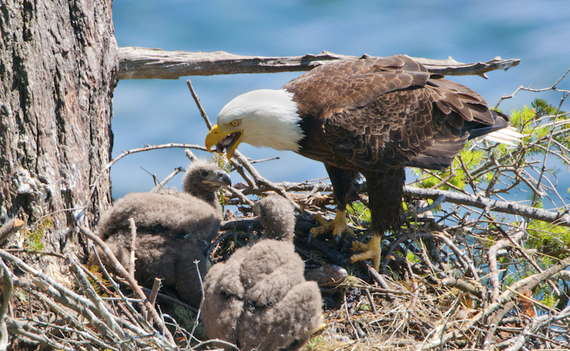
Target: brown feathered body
259,298
173,230
375,116
372,116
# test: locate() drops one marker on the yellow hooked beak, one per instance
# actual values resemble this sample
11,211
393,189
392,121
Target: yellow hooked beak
216,135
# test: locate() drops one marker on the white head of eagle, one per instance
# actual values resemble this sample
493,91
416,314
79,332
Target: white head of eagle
261,118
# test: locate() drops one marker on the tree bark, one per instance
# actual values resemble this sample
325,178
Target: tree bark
58,63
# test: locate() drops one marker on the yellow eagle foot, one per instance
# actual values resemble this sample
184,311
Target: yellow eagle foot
371,250
338,226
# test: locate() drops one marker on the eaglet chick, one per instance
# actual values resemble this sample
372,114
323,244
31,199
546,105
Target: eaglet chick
259,298
173,230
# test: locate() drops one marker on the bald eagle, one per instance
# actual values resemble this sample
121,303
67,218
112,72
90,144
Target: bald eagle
372,116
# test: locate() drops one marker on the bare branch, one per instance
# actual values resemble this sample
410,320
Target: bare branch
552,87
133,228
168,178
134,285
462,285
492,205
202,111
144,63
493,270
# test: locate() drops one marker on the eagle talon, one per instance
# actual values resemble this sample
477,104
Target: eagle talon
338,226
371,250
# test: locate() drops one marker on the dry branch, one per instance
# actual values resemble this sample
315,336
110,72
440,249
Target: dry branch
145,63
131,279
74,309
492,205
160,185
132,256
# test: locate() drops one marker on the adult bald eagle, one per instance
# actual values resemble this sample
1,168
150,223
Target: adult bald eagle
372,116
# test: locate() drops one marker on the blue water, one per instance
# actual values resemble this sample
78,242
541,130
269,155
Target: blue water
159,111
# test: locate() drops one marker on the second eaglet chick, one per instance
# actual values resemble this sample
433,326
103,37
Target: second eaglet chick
174,229
259,298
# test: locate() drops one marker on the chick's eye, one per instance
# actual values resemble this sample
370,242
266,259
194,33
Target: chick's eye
204,173
235,123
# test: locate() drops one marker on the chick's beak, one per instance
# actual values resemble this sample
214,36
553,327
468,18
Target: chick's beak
224,179
213,137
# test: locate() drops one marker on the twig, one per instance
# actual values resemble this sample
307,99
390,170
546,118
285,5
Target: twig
414,285
462,285
264,160
508,207
549,142
462,257
134,285
141,321
202,111
167,179
432,206
348,317
521,286
132,258
103,171
22,329
96,299
37,252
215,341
201,300
492,254
63,295
371,300
537,323
190,155
154,292
77,325
552,87
122,304
261,181
514,242
378,278
168,299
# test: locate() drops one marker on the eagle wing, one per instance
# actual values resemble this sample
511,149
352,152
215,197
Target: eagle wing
388,112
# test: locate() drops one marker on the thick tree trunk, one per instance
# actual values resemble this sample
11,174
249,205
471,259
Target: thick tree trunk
58,63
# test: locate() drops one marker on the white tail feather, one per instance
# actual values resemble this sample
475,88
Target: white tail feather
508,136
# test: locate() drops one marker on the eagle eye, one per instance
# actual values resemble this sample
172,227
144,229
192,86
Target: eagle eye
235,122
204,174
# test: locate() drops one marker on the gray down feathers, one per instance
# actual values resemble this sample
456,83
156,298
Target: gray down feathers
173,230
259,298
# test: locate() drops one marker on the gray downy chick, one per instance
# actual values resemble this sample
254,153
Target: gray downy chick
259,298
173,230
